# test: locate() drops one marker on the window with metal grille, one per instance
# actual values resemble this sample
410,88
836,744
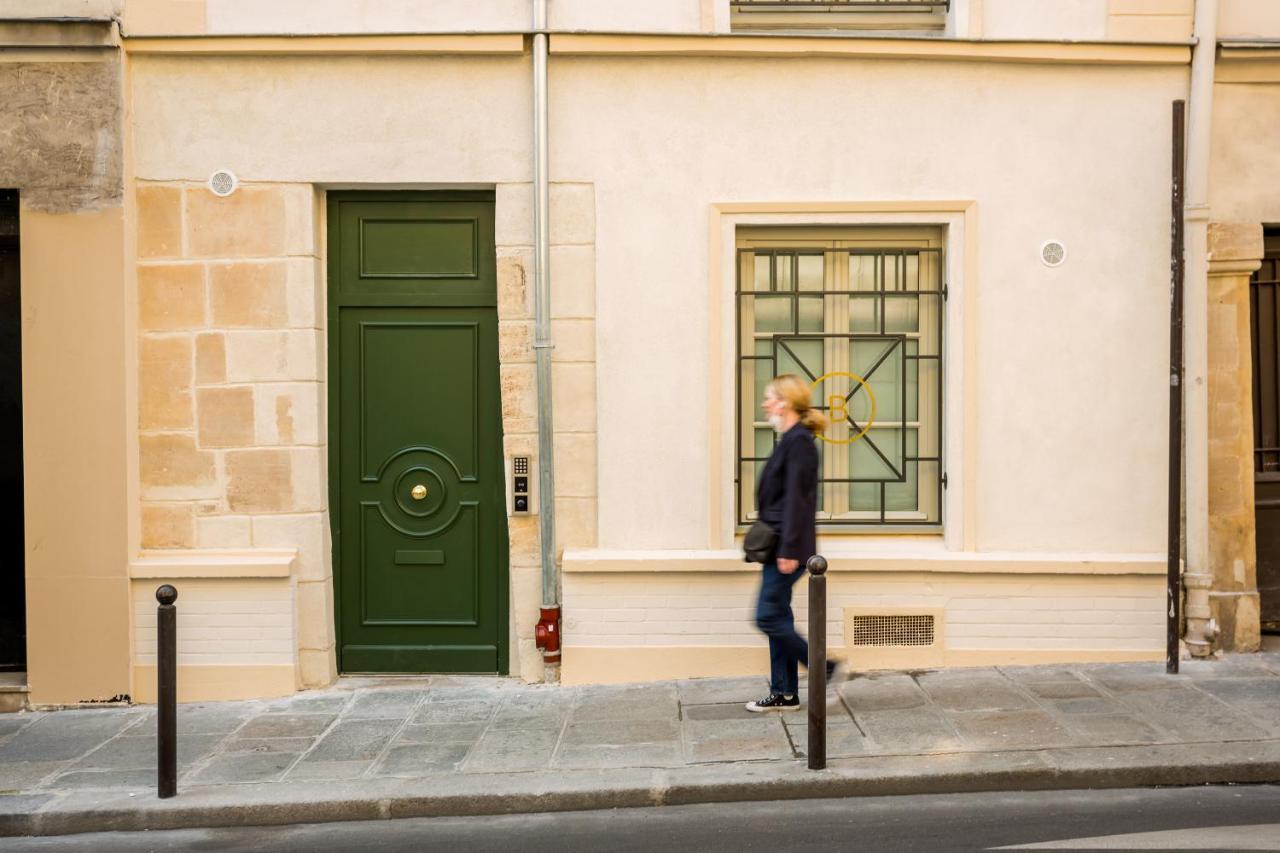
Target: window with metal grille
893,630
839,14
858,313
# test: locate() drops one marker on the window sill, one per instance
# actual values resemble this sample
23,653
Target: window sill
922,555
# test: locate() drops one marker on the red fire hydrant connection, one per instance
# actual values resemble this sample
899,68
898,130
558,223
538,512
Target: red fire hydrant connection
547,634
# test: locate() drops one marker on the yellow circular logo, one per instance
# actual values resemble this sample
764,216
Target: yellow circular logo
837,404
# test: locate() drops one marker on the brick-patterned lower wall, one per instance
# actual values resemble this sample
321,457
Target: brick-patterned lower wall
1002,618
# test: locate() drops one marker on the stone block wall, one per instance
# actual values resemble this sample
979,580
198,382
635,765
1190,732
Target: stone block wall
1235,251
573,381
230,310
231,398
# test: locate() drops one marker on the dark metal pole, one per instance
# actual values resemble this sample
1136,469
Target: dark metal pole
167,690
1173,622
817,662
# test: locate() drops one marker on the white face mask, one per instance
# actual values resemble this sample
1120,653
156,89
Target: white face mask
775,421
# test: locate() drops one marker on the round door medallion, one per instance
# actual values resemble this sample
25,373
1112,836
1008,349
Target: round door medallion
419,491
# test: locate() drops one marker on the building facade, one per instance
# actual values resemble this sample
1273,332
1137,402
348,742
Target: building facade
280,333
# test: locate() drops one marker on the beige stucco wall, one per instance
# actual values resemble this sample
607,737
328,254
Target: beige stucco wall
74,418
1057,466
59,8
1245,165
224,17
1044,19
1248,18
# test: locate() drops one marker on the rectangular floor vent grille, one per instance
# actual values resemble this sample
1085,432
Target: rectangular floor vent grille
892,630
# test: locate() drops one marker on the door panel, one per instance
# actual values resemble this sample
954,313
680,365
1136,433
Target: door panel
420,523
1264,299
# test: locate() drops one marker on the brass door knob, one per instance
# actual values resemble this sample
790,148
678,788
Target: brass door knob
419,492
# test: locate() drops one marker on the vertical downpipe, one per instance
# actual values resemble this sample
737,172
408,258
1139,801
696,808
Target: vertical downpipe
1197,577
550,617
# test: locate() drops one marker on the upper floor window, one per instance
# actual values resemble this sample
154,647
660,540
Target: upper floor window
875,15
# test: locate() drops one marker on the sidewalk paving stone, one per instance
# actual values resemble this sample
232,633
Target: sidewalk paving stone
354,740
128,752
66,735
1074,689
1086,705
296,745
327,770
910,730
393,704
883,693
22,775
736,740
996,730
422,758
721,691
286,725
1111,729
399,747
1192,715
440,733
455,711
240,768
991,692
603,756
844,739
511,750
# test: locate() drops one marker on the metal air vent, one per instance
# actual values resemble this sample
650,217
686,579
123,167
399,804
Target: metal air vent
870,630
1053,253
223,183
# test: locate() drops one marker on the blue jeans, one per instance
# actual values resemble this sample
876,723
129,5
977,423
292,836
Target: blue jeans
787,649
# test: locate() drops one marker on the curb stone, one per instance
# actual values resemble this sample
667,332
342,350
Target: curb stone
541,791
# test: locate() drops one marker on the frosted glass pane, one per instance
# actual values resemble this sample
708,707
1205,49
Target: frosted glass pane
810,358
901,314
782,272
811,272
773,314
811,314
762,272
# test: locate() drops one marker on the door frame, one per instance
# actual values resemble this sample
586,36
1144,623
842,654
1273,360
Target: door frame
332,278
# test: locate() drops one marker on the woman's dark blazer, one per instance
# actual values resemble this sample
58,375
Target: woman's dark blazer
787,494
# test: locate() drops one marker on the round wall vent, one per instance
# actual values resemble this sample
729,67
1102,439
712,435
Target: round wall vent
223,183
1053,253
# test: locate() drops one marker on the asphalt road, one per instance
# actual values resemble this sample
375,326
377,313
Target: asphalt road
1218,818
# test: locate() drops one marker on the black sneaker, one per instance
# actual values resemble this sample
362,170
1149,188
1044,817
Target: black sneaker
774,702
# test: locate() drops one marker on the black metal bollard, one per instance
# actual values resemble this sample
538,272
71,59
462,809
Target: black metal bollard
817,567
167,690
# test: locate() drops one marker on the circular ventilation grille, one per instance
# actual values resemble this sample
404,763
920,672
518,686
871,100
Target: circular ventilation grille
1053,253
223,183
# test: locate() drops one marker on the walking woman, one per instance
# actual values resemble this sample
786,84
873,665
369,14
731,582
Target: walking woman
786,501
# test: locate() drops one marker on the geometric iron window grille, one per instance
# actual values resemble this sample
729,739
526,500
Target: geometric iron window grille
864,328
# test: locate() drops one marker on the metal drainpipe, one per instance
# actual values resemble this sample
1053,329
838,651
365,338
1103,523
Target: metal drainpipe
1197,574
547,632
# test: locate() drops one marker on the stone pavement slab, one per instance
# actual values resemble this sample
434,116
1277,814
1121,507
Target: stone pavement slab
430,746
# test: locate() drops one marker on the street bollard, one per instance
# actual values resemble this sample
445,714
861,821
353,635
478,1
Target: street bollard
167,691
817,567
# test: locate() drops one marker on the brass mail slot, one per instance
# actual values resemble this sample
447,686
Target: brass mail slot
419,558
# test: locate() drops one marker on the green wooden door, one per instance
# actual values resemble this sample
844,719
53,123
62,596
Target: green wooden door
419,519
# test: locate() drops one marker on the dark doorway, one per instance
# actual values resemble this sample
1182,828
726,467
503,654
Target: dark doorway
1264,297
13,598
